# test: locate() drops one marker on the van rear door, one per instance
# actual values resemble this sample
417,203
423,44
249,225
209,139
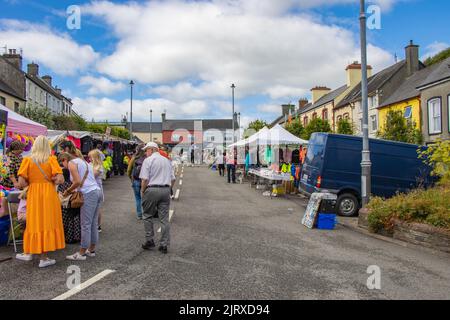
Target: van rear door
312,168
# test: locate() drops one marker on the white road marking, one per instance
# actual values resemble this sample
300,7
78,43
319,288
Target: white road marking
84,285
181,176
171,212
181,182
177,194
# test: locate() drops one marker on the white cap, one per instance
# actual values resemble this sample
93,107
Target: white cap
150,145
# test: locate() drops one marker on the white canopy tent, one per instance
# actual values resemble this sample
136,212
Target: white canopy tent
275,136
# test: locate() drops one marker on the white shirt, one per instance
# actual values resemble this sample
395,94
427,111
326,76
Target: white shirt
157,170
90,184
219,159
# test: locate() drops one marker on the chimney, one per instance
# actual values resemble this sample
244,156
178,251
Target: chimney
319,92
302,103
13,57
412,58
287,109
163,117
58,90
47,80
354,74
33,69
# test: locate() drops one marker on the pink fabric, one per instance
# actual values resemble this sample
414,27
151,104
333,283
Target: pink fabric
20,124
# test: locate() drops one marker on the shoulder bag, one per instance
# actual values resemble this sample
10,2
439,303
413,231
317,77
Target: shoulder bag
76,199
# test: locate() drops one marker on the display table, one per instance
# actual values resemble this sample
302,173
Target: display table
269,175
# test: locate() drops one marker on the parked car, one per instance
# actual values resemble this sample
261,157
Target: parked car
333,164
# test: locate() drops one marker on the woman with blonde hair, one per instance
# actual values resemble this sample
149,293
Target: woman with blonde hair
83,180
95,156
44,231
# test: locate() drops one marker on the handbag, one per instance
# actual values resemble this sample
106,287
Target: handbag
76,199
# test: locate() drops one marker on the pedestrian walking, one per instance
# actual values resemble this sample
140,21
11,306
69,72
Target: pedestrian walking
44,230
157,178
134,171
220,162
83,180
231,166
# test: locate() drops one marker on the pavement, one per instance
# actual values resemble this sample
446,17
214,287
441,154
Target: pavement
230,242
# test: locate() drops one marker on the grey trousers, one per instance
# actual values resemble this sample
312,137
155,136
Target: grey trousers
157,201
89,218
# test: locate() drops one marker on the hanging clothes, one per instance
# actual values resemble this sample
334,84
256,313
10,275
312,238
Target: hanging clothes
295,156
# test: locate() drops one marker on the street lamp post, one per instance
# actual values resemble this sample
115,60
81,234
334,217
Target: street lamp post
365,163
131,109
151,122
234,133
239,124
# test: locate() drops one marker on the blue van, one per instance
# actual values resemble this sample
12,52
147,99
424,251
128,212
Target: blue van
333,164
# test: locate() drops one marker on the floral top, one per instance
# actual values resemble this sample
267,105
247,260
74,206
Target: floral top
13,165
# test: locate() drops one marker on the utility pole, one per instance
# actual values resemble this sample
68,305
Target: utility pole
234,133
365,163
131,110
151,122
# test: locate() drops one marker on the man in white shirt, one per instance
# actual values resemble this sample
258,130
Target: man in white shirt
220,162
157,178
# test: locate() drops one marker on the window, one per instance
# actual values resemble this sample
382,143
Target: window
211,139
305,121
408,112
448,111
3,101
346,116
434,116
314,116
339,118
374,123
16,107
325,114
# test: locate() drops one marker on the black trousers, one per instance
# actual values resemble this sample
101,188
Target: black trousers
231,170
221,169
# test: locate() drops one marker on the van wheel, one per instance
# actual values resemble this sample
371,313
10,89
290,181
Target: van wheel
347,205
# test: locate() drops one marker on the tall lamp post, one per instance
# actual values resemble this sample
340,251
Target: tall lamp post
131,109
232,92
365,163
151,122
239,124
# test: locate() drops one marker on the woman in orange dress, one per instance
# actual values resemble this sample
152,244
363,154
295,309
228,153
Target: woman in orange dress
44,231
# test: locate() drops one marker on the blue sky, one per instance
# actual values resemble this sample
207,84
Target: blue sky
184,55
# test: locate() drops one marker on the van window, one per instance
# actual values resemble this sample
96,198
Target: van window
316,151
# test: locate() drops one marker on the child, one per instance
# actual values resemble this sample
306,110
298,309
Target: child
22,210
95,157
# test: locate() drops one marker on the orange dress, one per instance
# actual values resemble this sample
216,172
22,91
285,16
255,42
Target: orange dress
44,231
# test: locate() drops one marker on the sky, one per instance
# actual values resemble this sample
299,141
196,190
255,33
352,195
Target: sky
183,55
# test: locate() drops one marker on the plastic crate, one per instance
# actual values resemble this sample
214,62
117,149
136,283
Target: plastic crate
4,230
326,221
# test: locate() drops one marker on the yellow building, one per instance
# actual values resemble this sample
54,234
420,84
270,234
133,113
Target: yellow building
9,98
406,99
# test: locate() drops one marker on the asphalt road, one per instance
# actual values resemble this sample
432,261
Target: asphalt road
230,242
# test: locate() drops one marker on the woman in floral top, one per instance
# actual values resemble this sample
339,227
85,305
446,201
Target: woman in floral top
14,161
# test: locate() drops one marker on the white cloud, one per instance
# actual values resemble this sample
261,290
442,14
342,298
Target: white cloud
56,51
101,85
102,109
434,48
270,108
213,44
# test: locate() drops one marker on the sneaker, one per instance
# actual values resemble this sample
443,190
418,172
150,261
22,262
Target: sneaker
90,254
99,229
47,263
76,257
139,218
24,257
148,245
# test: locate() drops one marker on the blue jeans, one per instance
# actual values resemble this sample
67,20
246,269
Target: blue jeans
137,196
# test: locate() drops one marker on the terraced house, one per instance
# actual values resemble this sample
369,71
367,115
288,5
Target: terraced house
324,99
381,87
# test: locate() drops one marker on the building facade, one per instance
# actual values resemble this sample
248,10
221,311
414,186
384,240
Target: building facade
12,82
435,103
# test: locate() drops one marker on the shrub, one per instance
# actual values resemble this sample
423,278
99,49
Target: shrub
437,155
316,125
430,206
397,128
344,126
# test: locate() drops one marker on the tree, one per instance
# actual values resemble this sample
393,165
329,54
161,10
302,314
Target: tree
345,127
316,125
63,122
296,128
254,127
39,114
437,155
397,128
441,56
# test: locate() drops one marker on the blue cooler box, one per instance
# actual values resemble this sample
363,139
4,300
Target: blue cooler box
4,230
326,221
